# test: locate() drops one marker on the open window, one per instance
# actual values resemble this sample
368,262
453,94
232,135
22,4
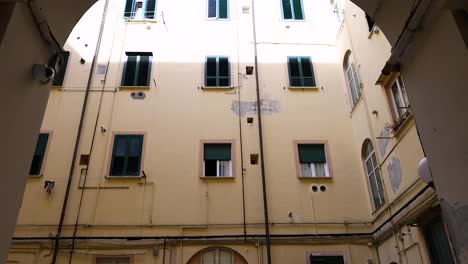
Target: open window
301,72
137,69
140,9
39,155
312,160
217,160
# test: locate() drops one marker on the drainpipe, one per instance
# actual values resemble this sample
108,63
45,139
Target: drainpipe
77,142
260,137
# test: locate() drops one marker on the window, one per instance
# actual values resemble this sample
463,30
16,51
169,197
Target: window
112,260
137,69
312,160
292,9
39,153
301,72
217,72
126,155
399,100
437,244
218,9
217,160
140,9
326,259
217,256
373,174
58,78
338,11
352,79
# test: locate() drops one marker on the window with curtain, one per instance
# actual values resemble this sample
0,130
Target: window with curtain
399,99
217,256
373,174
217,160
140,9
301,72
39,154
137,69
218,9
126,155
352,78
313,161
60,75
292,9
217,72
111,260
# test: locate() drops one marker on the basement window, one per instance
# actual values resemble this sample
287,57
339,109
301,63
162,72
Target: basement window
301,72
39,154
312,160
140,9
217,72
126,155
137,69
217,160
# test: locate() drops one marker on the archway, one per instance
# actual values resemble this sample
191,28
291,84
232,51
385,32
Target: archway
217,255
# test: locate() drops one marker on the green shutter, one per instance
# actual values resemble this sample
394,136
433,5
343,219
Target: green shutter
212,8
58,79
312,153
297,7
307,69
217,151
223,9
437,242
287,11
39,154
150,9
128,9
126,155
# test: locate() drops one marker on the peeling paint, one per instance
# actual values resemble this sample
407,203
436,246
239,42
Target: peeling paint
395,174
456,217
268,107
383,143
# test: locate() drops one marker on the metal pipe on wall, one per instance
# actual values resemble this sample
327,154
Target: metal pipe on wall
260,137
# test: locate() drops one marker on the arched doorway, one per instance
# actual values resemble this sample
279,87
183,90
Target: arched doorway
217,255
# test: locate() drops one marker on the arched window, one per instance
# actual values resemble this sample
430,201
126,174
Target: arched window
373,174
217,255
352,78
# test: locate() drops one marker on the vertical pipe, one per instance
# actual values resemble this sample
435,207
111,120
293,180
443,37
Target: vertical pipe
164,251
260,137
77,143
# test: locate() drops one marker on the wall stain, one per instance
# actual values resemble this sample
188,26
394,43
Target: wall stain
395,174
383,143
267,106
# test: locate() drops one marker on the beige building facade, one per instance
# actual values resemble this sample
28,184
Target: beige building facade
154,127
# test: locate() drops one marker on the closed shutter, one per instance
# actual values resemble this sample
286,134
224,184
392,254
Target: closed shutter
312,153
212,8
144,71
128,9
211,75
129,71
39,154
224,72
297,6
223,9
307,72
287,11
58,79
150,9
437,242
294,71
217,151
126,155
301,72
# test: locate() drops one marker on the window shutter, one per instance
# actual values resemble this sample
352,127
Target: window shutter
287,12
126,155
312,153
128,9
143,71
129,71
294,71
437,243
223,9
58,79
217,151
307,72
150,9
135,144
211,72
212,8
39,153
297,6
223,72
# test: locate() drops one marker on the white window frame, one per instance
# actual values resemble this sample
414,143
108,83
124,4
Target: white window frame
217,11
141,16
350,66
218,169
367,158
338,11
314,171
402,96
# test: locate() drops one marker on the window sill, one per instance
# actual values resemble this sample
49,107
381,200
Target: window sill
404,122
217,178
217,87
315,178
139,177
134,87
140,21
294,20
312,88
218,19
